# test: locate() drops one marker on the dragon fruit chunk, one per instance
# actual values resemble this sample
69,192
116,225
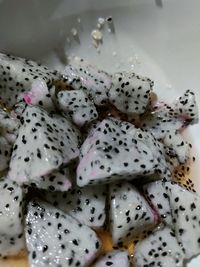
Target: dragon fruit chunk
54,238
185,209
177,149
11,221
162,120
105,154
5,152
94,82
130,215
114,259
86,205
17,75
44,143
58,180
39,95
158,149
165,119
164,126
130,93
77,105
159,249
156,194
187,108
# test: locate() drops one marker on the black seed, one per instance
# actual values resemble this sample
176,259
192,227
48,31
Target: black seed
75,242
159,206
92,211
57,214
97,245
33,255
181,231
176,199
193,206
70,261
109,263
59,225
29,231
164,253
128,219
39,153
45,248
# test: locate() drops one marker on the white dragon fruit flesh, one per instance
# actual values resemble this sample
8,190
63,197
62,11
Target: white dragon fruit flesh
157,196
87,204
165,118
11,218
130,93
115,258
167,121
94,82
163,169
130,216
43,144
77,105
90,128
186,107
116,150
185,209
17,75
5,153
54,238
162,120
177,150
39,95
58,180
161,248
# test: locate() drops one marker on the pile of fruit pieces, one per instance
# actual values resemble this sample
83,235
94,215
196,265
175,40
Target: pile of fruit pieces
83,151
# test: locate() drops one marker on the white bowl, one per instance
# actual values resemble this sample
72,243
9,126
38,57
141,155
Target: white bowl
157,38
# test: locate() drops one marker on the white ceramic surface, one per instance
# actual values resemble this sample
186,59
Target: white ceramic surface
160,39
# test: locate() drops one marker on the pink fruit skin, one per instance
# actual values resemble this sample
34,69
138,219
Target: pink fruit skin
28,98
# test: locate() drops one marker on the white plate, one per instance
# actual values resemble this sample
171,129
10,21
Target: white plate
160,39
